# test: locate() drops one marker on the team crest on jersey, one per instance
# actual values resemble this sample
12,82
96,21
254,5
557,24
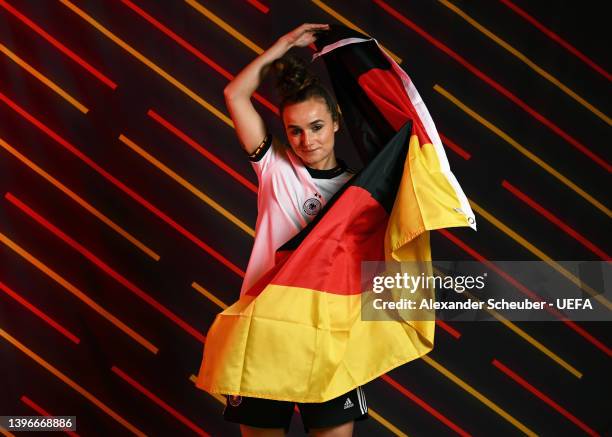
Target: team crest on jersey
234,401
312,206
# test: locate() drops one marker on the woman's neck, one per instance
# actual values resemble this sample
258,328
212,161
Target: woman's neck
325,164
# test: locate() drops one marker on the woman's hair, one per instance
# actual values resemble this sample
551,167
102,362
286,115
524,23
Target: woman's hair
295,84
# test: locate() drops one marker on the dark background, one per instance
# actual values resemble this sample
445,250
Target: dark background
171,397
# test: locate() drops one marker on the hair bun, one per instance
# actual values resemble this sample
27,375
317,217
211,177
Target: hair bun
292,75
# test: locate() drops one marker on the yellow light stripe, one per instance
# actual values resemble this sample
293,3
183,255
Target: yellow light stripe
565,181
537,252
199,194
528,338
69,382
384,422
209,295
225,26
347,23
23,64
549,77
468,388
148,63
218,397
78,293
79,200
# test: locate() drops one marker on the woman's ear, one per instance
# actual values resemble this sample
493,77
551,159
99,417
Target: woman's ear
336,126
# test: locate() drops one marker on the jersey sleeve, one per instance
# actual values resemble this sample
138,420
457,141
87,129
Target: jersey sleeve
266,155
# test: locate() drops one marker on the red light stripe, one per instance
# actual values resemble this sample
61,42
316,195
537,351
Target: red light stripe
522,382
66,333
580,331
421,403
159,402
218,162
190,48
552,35
452,331
212,252
497,86
61,47
263,8
556,220
105,267
454,147
30,403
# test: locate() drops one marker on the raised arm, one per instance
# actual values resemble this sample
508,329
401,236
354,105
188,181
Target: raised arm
249,125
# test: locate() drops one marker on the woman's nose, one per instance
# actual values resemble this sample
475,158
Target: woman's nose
306,139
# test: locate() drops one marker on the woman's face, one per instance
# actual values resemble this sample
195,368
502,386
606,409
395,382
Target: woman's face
310,130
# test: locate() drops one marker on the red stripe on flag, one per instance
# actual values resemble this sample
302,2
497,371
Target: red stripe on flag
329,259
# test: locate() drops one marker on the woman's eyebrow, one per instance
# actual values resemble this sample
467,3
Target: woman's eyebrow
318,120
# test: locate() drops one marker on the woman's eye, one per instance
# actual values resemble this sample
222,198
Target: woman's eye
295,132
317,127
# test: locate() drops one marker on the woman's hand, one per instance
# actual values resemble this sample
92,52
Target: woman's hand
304,35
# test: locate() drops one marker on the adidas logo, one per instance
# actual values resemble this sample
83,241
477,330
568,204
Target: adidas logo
348,403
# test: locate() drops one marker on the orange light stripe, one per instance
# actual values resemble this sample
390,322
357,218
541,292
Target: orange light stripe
580,331
220,398
556,221
497,86
525,60
69,382
157,400
537,252
225,26
78,293
209,295
454,147
424,405
524,151
475,393
263,8
529,339
161,72
552,35
47,319
105,268
347,23
446,327
61,47
188,185
41,77
523,383
88,207
122,186
6,433
199,148
41,411
197,53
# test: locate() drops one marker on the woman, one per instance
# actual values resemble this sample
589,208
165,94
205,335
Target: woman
294,184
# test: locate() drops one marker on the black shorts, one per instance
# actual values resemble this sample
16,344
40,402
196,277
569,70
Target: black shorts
267,413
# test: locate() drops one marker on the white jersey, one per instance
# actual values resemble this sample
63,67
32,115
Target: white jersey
290,195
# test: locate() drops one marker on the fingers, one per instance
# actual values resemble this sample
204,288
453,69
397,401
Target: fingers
312,26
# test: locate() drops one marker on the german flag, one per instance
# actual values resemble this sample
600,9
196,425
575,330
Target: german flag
298,335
